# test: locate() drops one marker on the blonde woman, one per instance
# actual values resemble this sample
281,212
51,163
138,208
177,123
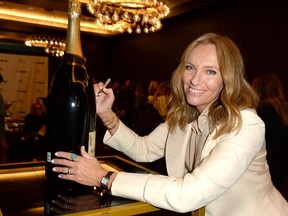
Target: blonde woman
213,141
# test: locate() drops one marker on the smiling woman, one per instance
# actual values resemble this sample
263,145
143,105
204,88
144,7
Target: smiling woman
213,141
202,77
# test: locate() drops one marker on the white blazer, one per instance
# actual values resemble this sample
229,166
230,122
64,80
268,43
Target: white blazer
233,178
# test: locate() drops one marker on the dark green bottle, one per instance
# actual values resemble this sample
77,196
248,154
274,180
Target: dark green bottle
71,110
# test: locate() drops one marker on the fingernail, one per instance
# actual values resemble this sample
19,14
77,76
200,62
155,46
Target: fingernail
52,161
56,153
54,169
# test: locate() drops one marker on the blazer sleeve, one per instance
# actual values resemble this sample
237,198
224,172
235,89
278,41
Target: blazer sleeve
220,170
140,148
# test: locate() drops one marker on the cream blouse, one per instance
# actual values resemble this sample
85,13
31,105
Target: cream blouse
194,147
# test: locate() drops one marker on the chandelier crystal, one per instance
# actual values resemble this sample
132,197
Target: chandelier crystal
129,15
52,45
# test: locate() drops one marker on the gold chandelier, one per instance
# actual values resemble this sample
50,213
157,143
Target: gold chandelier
129,15
52,45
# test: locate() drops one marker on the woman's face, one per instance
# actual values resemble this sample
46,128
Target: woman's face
155,85
38,109
202,78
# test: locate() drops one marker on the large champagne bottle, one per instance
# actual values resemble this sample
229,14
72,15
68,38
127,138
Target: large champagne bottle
71,109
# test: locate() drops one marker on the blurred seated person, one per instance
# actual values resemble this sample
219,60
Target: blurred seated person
32,142
35,121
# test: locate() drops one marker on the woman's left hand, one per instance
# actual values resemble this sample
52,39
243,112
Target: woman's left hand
83,169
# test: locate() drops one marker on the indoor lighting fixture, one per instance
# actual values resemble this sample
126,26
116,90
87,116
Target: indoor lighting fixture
54,45
43,17
51,44
129,15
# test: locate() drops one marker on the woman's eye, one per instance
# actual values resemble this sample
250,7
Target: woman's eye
212,72
188,67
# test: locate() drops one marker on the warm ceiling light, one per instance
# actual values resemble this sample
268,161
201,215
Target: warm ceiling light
52,45
43,17
129,15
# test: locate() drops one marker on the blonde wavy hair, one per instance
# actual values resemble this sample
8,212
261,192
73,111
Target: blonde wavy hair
236,95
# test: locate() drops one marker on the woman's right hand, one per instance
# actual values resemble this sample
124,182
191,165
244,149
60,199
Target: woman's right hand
104,101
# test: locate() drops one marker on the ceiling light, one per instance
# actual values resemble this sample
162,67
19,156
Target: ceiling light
40,17
52,45
129,15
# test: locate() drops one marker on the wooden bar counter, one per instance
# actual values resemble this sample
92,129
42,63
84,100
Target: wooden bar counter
22,191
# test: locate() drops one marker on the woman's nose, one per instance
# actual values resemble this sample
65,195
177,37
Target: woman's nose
195,78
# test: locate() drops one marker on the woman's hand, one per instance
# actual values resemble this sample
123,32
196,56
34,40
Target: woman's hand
104,100
83,169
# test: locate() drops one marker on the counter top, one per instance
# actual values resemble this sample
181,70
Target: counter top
23,185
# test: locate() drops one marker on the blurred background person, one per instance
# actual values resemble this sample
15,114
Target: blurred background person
116,86
160,99
155,111
3,143
273,109
125,102
152,88
32,142
154,114
35,121
140,99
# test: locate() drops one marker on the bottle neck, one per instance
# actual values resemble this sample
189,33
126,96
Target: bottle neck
73,40
76,59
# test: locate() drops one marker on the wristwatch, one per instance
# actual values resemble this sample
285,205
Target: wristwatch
104,181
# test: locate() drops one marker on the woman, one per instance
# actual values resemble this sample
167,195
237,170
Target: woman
35,121
273,110
155,111
213,142
160,99
153,86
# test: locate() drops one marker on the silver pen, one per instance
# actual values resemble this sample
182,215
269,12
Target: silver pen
104,86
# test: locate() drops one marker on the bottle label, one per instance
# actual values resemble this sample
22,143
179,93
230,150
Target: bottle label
48,156
92,143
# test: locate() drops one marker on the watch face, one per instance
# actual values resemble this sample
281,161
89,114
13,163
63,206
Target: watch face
104,181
